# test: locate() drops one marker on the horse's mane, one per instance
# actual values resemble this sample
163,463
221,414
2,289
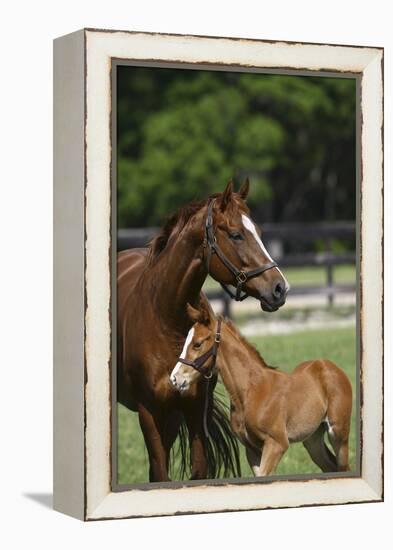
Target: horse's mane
177,221
248,344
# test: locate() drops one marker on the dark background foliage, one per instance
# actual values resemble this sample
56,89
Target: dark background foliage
182,134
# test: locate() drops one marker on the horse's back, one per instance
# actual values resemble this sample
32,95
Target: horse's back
327,376
321,368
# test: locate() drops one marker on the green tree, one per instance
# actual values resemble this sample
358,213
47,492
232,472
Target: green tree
182,134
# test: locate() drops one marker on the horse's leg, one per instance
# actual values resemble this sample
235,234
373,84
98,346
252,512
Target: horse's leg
319,451
197,439
172,426
152,428
254,459
272,452
199,465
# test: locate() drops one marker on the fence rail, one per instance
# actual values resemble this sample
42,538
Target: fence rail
287,232
283,233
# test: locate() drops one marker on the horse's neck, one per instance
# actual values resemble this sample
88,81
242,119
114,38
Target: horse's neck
239,365
179,275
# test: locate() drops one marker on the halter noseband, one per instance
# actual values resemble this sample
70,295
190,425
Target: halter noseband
199,362
210,242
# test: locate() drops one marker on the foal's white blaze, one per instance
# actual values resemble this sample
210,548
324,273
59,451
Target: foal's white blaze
249,225
183,355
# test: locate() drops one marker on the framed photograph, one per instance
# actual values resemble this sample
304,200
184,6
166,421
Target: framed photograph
218,270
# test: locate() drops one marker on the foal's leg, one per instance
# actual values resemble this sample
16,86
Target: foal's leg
254,459
339,419
338,434
319,452
152,428
341,448
338,414
272,453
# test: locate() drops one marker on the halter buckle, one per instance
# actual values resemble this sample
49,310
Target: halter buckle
241,277
217,338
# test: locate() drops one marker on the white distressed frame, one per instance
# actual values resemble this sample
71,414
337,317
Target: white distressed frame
92,422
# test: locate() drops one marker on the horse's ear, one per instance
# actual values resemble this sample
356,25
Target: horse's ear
244,189
226,196
193,313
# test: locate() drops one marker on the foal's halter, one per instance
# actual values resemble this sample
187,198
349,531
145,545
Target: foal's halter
199,363
210,243
207,371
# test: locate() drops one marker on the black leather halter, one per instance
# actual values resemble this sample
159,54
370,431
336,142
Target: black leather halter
199,363
210,244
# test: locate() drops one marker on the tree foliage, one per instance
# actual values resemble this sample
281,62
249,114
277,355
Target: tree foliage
182,134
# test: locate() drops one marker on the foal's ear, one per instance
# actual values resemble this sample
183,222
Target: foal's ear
244,189
204,317
198,315
226,196
193,313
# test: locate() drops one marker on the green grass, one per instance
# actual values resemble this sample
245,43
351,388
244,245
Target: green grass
283,351
308,276
298,314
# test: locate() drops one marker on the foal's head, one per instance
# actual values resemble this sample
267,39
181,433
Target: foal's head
240,240
200,339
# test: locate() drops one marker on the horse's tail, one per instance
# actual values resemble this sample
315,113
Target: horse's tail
222,448
223,455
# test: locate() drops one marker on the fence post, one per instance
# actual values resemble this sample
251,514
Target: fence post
329,273
226,305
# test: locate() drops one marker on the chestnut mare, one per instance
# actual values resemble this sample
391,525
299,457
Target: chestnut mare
270,409
154,286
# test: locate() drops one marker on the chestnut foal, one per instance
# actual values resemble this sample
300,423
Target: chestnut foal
270,409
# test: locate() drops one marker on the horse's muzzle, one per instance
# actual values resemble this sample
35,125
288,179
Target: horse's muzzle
274,301
180,383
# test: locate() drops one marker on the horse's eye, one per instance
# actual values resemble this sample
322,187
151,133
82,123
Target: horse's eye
197,345
236,236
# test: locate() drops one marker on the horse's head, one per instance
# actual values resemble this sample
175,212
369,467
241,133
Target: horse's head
239,241
200,340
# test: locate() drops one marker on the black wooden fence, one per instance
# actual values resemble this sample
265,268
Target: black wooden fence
283,235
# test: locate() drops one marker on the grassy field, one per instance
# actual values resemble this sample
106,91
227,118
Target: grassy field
283,351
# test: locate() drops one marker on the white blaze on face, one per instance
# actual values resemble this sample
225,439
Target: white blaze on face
183,355
249,225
